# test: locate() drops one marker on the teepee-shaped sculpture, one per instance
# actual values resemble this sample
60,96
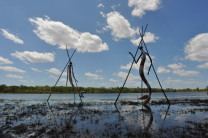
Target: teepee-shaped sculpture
143,55
70,76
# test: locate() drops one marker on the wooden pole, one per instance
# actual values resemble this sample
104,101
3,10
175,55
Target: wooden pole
61,74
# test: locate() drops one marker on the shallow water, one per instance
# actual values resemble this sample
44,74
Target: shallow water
38,98
29,115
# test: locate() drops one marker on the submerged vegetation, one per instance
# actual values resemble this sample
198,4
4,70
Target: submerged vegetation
62,89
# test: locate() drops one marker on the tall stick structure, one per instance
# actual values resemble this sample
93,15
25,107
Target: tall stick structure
140,46
62,72
130,68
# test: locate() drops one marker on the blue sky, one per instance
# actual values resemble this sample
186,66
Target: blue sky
33,35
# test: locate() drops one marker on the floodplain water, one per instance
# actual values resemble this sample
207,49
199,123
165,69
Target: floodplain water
38,98
29,115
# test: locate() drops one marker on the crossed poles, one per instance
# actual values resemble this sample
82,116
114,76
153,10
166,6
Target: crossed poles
62,71
139,46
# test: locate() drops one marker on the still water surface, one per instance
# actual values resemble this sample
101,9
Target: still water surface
25,115
37,98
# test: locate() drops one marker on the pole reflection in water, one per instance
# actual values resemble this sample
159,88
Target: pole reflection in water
145,120
146,110
165,118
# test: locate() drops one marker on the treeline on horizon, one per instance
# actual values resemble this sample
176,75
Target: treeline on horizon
62,89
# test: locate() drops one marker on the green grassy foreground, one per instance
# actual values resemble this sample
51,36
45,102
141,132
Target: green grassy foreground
62,89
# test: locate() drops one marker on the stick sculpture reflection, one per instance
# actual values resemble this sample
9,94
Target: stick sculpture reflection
148,111
164,119
141,72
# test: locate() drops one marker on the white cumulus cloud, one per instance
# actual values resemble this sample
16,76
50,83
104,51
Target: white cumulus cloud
57,33
119,26
131,77
182,72
5,61
203,66
127,67
197,48
102,14
11,69
189,82
12,37
148,38
136,66
36,70
112,80
34,57
163,70
115,6
132,80
14,76
94,76
177,69
24,81
176,66
100,5
99,70
141,6
56,71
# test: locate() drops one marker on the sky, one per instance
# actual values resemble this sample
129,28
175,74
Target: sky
34,35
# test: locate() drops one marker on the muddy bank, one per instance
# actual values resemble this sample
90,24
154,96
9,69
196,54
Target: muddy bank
184,118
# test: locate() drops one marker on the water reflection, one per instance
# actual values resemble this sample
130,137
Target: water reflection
145,118
147,110
101,118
